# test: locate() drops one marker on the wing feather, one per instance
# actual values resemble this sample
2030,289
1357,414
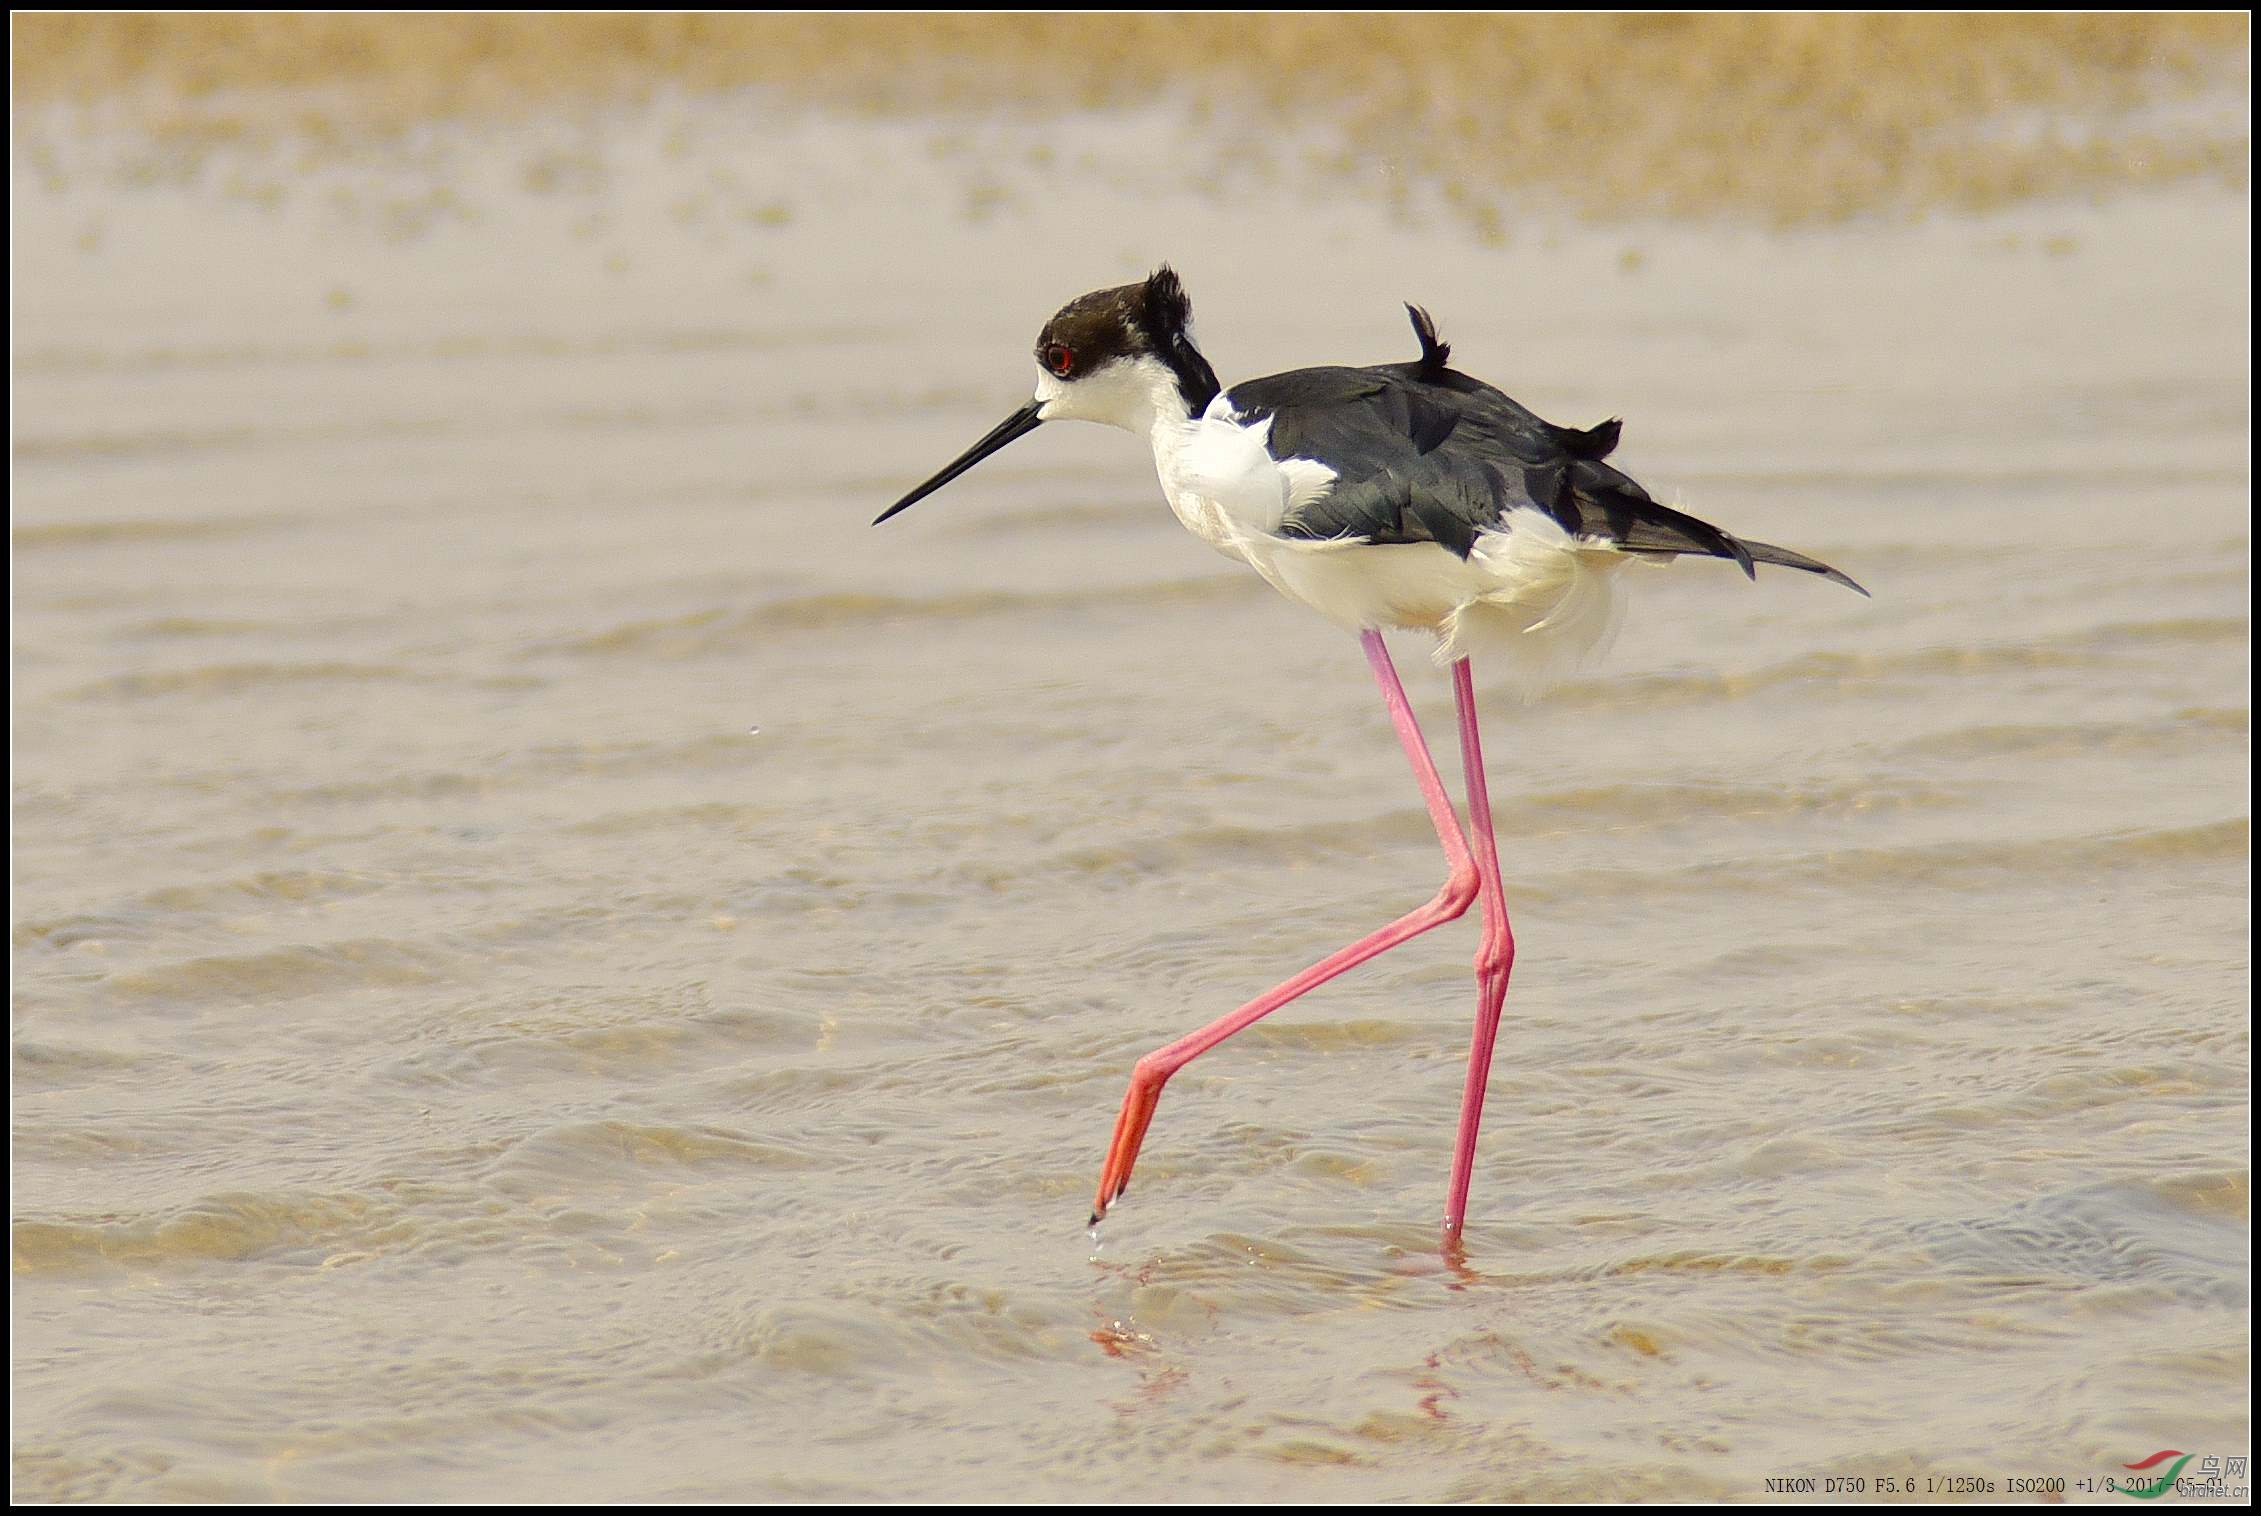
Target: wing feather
1383,431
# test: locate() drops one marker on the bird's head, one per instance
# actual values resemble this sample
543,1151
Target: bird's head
1124,356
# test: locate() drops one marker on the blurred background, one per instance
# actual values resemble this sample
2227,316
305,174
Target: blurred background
551,961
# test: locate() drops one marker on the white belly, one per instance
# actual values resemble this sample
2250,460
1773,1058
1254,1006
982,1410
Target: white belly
1531,600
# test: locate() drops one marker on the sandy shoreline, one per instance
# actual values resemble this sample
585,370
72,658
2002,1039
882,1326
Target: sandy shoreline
1783,119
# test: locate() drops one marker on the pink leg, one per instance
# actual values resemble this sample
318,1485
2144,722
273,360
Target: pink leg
1495,956
1459,891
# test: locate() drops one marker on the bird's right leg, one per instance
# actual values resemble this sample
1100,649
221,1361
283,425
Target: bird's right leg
1495,956
1459,891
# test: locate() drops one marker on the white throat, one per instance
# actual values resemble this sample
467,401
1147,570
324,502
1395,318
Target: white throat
1138,394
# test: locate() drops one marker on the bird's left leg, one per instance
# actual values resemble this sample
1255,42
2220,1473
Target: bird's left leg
1459,892
1495,955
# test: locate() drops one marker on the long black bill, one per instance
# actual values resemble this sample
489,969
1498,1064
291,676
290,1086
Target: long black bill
1018,424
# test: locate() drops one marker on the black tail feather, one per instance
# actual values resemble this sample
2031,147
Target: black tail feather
1767,552
1645,539
1639,525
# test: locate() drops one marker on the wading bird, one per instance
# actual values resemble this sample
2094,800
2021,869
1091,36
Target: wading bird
1402,495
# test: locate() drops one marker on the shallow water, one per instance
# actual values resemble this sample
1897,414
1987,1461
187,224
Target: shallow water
551,961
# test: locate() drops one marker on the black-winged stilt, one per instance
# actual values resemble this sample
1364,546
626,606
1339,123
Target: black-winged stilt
1402,495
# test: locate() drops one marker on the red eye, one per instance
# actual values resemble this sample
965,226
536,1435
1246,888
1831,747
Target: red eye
1059,359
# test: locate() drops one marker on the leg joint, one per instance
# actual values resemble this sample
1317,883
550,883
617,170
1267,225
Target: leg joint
1460,890
1496,954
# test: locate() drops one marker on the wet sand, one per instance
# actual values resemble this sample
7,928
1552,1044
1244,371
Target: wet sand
552,961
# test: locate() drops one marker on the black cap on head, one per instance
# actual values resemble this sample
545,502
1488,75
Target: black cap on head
1150,319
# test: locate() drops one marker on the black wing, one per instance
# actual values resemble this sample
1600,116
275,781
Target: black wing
1384,431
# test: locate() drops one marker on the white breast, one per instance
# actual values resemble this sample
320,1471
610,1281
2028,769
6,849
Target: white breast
1226,488
1533,600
